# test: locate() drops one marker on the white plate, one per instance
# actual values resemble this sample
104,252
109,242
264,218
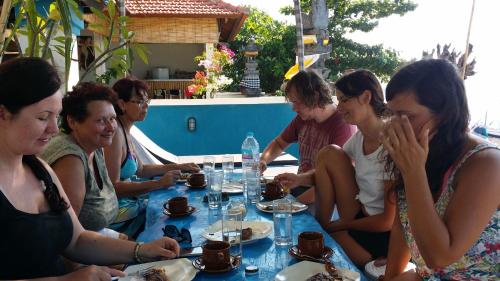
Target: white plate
178,269
305,269
260,230
297,207
233,188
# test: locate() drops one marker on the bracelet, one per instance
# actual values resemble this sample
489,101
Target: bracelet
137,258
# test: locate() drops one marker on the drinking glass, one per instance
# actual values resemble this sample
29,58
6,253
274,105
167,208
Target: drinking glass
238,204
231,231
208,167
215,189
228,167
252,185
282,216
208,164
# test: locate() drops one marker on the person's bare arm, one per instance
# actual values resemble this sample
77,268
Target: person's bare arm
113,155
398,255
92,248
291,181
152,170
70,172
443,240
272,151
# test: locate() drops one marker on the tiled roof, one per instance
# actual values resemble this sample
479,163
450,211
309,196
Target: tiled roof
182,8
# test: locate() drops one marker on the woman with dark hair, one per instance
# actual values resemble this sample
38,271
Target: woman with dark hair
446,180
359,191
38,223
122,163
88,123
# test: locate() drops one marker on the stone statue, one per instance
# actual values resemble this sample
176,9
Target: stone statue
250,83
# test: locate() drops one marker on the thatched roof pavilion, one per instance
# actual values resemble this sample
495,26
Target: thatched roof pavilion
175,31
182,21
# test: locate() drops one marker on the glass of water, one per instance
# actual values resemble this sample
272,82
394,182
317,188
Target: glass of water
282,216
228,167
252,185
208,164
232,224
215,189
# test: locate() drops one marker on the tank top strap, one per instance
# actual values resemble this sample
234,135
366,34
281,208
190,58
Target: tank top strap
450,176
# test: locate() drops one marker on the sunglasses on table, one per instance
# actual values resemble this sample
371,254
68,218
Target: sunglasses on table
182,236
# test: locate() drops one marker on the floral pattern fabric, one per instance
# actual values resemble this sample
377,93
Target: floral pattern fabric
480,262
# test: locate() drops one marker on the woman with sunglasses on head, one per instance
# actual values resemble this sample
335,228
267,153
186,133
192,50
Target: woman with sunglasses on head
447,180
122,163
38,223
359,191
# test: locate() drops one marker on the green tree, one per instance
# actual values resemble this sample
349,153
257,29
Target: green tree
277,54
41,30
348,16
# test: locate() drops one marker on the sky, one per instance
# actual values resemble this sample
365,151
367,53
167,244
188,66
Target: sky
433,22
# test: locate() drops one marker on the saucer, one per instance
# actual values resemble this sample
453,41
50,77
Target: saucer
273,197
195,187
191,210
198,264
294,252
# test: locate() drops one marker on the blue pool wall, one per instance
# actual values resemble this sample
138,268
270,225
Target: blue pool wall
220,128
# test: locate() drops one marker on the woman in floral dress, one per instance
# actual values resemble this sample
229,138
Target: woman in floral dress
447,180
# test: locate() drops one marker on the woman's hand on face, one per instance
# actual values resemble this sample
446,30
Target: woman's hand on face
93,273
288,180
189,167
163,248
404,147
170,178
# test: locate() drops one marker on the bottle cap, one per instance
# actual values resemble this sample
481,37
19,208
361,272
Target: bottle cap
250,134
251,269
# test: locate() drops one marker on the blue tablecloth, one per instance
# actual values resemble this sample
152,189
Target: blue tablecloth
269,258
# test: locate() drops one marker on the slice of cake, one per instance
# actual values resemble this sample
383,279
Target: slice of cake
246,233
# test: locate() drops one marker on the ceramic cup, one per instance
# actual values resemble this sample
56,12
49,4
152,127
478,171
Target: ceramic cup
311,244
273,189
196,179
178,205
216,255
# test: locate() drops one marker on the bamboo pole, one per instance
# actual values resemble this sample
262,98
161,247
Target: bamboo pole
466,53
4,17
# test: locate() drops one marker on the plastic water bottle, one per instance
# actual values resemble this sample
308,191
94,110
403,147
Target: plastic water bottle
250,152
250,168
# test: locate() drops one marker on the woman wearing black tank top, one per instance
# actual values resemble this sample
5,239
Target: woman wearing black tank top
38,224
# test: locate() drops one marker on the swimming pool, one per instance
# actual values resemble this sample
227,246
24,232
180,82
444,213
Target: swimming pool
221,124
